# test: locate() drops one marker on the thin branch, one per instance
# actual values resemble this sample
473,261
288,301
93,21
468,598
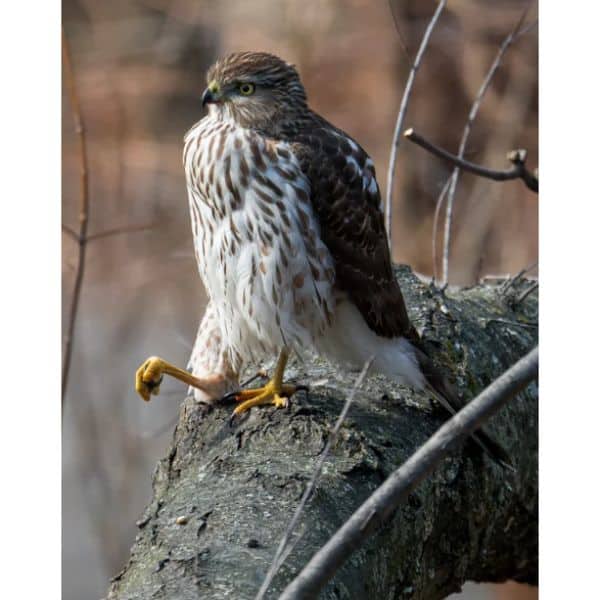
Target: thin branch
516,157
120,230
70,232
513,323
512,280
83,211
512,36
436,218
534,286
81,237
378,508
282,549
401,115
400,34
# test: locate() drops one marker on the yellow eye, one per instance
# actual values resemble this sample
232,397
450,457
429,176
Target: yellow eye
246,89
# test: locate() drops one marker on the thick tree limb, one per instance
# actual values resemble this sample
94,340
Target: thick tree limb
377,509
223,497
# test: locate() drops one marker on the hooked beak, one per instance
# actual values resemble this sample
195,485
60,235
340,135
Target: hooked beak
210,97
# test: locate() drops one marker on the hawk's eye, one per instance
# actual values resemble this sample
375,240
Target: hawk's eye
246,89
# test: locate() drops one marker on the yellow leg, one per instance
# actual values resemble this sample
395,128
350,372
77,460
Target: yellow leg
150,374
274,392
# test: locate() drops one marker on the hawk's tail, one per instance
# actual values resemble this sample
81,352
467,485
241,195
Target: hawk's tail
445,394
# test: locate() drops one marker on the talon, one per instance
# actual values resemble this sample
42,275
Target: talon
280,401
154,385
273,393
231,397
149,377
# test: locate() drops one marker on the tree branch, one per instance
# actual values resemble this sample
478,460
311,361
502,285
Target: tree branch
71,233
402,114
81,236
380,505
534,286
436,218
516,157
83,213
508,41
121,230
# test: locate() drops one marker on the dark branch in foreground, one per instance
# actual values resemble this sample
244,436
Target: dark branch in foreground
516,157
379,506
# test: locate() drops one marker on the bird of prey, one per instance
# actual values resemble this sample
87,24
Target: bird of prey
290,243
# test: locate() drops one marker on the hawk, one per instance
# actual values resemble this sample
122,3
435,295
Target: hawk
290,243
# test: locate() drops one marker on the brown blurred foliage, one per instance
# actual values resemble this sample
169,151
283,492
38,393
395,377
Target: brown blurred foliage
139,68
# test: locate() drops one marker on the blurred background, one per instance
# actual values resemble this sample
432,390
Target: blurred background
139,69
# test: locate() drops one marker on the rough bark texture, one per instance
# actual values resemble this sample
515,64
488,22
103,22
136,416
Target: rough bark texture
236,487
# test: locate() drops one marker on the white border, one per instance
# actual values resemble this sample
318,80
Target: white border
570,298
30,310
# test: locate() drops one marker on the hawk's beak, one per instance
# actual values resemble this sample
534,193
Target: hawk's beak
210,97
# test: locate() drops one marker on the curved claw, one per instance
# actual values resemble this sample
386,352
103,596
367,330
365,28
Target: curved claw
231,397
148,378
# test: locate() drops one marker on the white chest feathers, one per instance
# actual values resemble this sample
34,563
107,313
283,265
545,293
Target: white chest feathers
257,240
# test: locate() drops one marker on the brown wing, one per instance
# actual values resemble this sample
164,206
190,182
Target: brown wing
346,199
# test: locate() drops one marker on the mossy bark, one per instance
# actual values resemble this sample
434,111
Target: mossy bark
224,495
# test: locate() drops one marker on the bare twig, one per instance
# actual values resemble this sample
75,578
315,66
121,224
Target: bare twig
436,218
513,323
71,233
510,281
83,211
109,232
534,286
397,25
382,503
81,237
401,115
516,157
512,36
120,230
282,549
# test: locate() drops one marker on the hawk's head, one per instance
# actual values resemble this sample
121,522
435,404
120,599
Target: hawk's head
256,89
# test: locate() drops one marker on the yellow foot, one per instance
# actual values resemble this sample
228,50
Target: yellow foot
149,377
271,393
